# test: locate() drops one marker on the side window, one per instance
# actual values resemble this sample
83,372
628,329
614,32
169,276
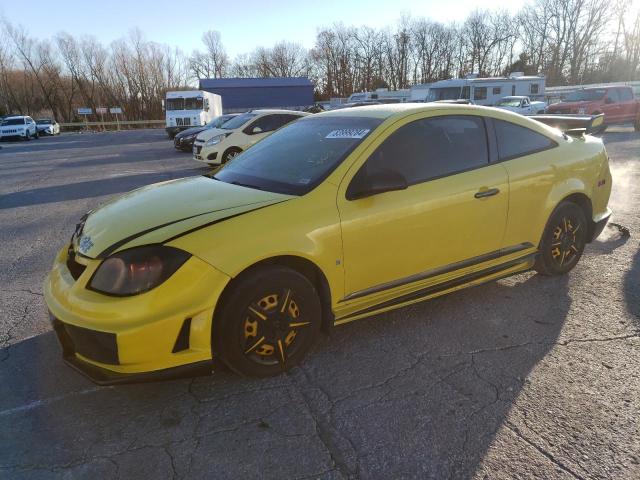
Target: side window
284,119
535,88
480,93
431,148
266,123
497,90
612,96
626,95
516,141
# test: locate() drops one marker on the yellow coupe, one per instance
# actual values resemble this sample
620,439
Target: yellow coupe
333,218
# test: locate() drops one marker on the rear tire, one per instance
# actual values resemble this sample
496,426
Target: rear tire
563,240
268,322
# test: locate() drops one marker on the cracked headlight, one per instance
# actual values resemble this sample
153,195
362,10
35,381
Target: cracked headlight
137,270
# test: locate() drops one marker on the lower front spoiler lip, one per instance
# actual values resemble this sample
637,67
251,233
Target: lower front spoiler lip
102,376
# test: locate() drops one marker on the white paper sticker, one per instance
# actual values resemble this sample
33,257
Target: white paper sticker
348,133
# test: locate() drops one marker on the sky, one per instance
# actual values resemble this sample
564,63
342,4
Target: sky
243,25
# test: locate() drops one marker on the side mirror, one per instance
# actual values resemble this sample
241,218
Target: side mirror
609,100
364,185
255,130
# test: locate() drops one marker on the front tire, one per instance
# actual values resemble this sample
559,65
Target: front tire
230,154
268,322
563,240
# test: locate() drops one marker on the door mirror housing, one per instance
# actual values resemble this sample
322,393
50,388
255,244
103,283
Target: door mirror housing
366,185
255,130
609,100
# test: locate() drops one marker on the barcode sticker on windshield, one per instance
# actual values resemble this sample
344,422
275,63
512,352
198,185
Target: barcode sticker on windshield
348,133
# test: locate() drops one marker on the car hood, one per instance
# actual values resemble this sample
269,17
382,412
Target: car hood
571,104
191,131
158,212
507,107
211,132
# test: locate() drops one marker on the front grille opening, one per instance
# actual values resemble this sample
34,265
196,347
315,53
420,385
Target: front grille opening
92,344
74,267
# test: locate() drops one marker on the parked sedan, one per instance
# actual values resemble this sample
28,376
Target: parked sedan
47,126
333,218
217,146
184,140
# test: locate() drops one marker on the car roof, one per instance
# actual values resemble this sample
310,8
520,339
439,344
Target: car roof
400,110
387,110
15,116
263,111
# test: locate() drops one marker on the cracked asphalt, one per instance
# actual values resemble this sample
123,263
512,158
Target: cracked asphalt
528,377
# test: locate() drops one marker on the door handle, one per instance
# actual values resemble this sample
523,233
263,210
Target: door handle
487,193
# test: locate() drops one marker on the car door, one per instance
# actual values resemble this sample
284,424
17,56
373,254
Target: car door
627,105
611,107
454,208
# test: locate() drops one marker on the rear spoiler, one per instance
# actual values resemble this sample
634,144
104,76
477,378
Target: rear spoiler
574,125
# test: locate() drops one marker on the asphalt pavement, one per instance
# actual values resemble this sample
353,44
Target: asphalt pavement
527,377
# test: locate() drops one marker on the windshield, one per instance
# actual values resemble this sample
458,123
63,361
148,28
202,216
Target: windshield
174,104
13,121
193,103
44,122
509,102
190,103
586,95
296,158
237,122
219,121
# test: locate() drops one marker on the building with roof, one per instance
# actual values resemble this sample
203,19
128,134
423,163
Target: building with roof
241,94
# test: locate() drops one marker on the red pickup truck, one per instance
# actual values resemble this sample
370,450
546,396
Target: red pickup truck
616,102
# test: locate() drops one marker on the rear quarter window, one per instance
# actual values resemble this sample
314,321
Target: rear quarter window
626,95
516,141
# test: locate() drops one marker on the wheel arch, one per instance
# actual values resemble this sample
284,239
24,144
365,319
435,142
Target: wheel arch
299,264
583,201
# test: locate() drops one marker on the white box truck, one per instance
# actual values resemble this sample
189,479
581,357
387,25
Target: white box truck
190,108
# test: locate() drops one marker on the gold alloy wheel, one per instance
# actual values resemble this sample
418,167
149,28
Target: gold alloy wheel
272,328
564,245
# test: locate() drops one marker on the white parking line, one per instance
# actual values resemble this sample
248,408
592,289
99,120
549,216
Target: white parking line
47,401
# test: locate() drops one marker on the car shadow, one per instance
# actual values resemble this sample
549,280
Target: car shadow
416,393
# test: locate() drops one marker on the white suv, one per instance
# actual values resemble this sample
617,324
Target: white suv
18,126
219,145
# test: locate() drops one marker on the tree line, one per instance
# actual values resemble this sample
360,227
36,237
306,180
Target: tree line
570,41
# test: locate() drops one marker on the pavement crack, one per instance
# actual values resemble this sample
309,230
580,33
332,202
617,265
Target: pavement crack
561,465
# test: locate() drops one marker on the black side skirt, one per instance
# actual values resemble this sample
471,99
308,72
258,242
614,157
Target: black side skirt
445,285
